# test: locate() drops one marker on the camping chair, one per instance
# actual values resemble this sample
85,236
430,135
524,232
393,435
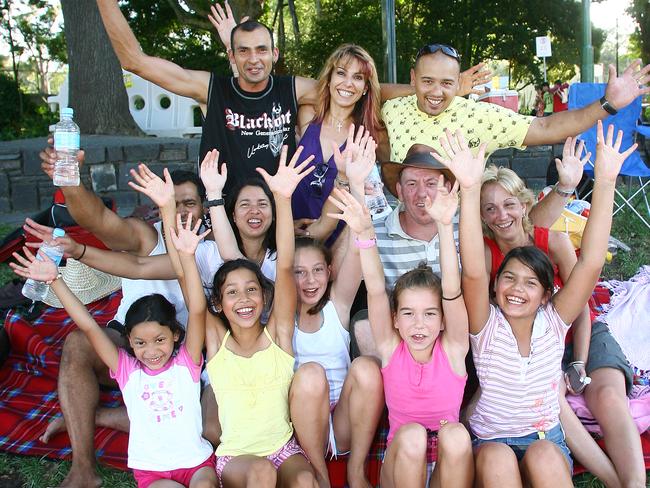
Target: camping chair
627,119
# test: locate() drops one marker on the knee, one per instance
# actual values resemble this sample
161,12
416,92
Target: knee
495,457
310,379
261,473
608,394
411,442
204,484
304,479
76,349
454,440
366,374
544,455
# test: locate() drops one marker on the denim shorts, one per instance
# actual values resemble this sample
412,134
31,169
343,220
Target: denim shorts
520,444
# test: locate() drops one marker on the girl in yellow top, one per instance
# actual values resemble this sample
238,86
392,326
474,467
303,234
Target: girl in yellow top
251,365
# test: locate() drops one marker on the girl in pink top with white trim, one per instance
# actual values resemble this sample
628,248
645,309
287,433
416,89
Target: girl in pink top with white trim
422,340
159,377
517,343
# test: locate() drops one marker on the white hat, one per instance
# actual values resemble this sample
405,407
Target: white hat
86,283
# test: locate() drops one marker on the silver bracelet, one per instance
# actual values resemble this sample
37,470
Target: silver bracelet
563,193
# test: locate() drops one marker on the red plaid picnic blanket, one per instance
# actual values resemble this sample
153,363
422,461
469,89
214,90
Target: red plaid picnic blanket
28,384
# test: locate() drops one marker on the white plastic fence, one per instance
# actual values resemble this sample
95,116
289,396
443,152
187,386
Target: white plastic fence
157,112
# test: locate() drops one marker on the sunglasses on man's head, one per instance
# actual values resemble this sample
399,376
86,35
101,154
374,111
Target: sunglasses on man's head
434,48
316,185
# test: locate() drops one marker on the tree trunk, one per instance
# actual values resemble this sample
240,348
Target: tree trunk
96,87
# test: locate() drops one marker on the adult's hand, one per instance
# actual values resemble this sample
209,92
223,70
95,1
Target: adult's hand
622,90
478,74
48,158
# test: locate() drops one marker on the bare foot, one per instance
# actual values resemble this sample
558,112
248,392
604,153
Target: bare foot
78,478
55,427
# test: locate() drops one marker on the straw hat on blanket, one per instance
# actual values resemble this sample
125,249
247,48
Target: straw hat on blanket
87,284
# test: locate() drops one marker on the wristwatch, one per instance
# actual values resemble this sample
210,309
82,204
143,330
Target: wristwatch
214,203
563,193
607,107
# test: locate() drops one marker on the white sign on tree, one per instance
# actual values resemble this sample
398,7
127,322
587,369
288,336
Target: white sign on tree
543,49
543,46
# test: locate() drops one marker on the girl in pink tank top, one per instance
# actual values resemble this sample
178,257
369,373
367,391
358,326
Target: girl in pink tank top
422,340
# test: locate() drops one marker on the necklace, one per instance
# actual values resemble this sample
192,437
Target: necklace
339,123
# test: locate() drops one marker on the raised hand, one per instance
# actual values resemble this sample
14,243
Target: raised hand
285,181
71,248
43,269
353,145
352,213
187,237
48,158
467,168
150,184
213,179
608,158
569,168
622,90
223,21
359,167
474,76
445,204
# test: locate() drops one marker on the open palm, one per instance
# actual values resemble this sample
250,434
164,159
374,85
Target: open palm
467,168
445,203
285,181
213,179
608,158
150,184
352,213
43,269
187,238
570,168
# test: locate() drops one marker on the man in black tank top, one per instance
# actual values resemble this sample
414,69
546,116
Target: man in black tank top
247,119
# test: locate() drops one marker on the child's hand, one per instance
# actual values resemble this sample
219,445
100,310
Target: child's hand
570,167
608,159
43,269
150,184
444,206
285,181
467,168
187,238
213,179
353,146
71,248
353,213
359,167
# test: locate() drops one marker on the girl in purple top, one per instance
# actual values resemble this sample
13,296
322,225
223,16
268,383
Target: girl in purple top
422,340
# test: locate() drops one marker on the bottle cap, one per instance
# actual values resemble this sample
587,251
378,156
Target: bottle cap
58,233
67,112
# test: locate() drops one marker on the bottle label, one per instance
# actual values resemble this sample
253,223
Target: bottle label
66,140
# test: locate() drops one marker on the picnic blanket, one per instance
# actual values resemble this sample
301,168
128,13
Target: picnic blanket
28,385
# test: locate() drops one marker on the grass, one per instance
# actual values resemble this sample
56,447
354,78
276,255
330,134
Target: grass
32,472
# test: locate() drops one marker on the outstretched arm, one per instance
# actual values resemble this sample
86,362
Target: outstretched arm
282,184
442,210
89,211
170,76
185,243
214,181
468,171
46,271
571,299
357,217
569,169
620,92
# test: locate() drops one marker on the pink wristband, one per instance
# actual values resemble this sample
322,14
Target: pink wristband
365,244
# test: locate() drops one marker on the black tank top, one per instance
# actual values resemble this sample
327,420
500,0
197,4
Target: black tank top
249,129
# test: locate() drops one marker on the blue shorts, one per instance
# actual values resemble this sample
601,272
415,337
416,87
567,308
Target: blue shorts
520,444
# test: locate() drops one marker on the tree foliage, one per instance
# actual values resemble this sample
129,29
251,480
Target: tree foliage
640,12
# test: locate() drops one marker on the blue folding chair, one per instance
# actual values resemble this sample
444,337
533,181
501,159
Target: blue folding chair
628,120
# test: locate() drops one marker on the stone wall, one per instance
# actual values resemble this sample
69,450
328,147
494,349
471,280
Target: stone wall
24,188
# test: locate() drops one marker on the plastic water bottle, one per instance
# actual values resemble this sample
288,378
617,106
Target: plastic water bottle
375,198
37,290
66,145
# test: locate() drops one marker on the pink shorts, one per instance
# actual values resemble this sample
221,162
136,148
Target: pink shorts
182,476
277,458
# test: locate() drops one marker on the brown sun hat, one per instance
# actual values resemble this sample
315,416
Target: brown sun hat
86,283
418,156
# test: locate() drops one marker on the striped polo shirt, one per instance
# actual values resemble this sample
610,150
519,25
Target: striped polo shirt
399,252
519,396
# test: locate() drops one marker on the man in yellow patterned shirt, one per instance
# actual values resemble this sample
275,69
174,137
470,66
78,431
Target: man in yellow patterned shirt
423,117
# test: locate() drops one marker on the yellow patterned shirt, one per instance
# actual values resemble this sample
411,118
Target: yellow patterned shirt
479,121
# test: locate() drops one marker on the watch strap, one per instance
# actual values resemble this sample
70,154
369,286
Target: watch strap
607,107
215,203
